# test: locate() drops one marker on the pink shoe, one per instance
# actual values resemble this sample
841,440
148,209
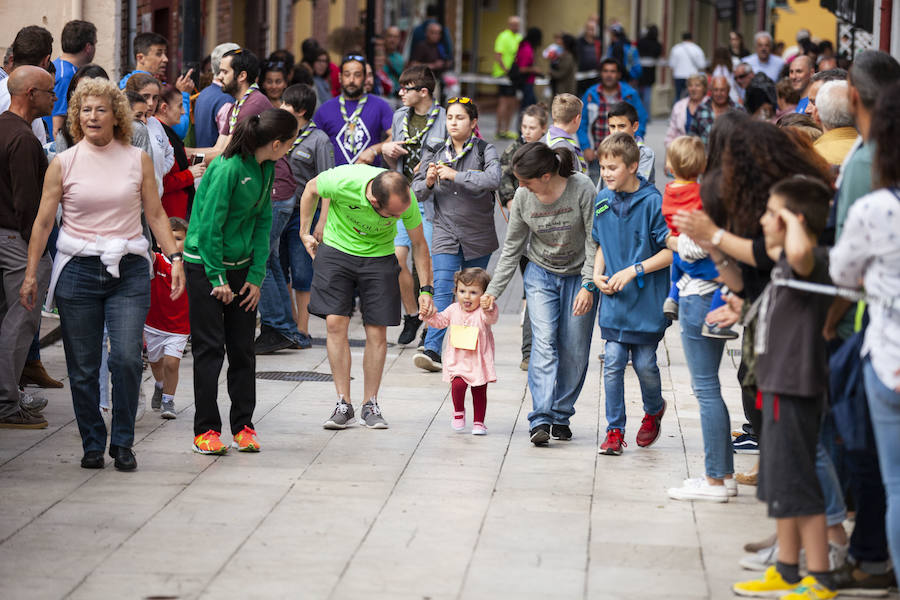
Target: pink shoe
479,429
458,422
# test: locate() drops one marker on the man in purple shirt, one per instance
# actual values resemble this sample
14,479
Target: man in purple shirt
357,123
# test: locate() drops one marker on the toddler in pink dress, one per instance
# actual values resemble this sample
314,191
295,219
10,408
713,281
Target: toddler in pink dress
469,355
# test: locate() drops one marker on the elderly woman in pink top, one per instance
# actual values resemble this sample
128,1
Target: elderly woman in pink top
469,355
102,268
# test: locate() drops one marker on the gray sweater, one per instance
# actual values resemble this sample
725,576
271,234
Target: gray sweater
560,234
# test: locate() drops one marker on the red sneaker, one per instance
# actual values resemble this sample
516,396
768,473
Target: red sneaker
613,443
649,431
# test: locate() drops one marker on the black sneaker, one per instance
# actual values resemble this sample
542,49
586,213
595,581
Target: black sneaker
540,435
850,580
421,347
270,341
745,444
428,360
561,432
411,324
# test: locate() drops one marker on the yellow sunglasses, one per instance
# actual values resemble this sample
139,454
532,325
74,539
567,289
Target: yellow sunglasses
461,100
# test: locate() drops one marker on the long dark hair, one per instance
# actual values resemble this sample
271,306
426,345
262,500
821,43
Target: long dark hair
535,159
886,165
758,155
259,130
722,129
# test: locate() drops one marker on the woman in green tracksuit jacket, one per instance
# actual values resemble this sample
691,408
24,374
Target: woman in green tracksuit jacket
225,255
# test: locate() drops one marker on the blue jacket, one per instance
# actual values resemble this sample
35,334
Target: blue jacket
595,106
206,107
630,228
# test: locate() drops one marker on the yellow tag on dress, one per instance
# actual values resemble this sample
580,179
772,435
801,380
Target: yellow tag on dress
463,337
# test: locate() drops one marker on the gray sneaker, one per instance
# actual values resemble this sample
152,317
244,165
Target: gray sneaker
370,416
23,419
341,417
156,400
168,409
31,402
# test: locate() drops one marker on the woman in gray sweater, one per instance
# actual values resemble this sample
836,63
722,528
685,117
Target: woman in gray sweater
553,210
461,176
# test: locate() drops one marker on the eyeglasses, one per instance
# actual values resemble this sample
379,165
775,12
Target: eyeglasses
461,100
742,75
410,88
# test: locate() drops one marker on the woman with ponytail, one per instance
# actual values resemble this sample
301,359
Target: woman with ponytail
225,255
462,176
550,221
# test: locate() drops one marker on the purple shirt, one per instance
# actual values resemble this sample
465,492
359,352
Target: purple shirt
285,184
255,104
374,122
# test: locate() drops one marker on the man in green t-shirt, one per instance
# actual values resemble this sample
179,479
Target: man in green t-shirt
361,205
506,46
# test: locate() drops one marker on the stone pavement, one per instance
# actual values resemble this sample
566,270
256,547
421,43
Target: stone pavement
416,511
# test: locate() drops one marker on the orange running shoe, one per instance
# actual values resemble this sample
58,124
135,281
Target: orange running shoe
209,443
245,440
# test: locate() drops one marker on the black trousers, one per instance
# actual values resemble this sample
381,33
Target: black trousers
217,329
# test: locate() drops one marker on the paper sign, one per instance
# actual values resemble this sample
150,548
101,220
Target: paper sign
463,337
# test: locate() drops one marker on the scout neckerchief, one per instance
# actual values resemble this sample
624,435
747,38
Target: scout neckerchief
432,116
350,131
232,120
302,136
582,164
449,145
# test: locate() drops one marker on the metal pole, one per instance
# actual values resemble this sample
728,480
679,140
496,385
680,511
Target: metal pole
191,40
370,32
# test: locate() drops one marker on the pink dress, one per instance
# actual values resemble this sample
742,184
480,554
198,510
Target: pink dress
476,367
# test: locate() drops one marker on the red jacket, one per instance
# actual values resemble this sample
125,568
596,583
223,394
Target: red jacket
175,196
680,197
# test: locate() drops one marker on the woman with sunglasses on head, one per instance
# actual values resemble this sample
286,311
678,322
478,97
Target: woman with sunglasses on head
273,80
461,177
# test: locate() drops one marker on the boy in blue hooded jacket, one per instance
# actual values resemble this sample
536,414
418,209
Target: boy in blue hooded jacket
630,269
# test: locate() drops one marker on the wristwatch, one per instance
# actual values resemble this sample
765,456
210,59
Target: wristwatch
176,256
426,289
717,237
639,270
589,286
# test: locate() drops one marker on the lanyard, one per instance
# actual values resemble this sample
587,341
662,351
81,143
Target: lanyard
303,136
449,144
350,132
432,116
232,120
582,164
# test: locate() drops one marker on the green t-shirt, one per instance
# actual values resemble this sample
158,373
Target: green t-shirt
352,225
506,45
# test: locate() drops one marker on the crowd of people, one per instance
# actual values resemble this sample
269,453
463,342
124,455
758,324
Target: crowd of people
151,215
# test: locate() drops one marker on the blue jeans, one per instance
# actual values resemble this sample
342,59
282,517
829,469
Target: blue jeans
445,267
646,92
703,357
835,508
884,406
680,85
643,358
275,299
87,296
295,260
560,345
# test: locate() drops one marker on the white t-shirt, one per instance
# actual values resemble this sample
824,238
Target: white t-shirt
685,59
163,154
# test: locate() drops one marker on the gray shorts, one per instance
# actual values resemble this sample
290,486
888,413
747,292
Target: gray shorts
787,456
337,275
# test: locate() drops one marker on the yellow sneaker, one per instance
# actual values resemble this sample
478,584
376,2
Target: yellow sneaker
245,440
810,589
209,443
771,585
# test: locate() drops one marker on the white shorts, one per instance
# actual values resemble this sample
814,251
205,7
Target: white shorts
163,343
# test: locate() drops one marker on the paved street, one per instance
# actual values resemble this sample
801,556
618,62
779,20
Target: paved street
416,511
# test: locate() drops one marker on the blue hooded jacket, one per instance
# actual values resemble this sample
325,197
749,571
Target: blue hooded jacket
630,228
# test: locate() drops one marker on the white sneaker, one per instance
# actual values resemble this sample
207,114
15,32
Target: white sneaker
699,489
731,486
760,560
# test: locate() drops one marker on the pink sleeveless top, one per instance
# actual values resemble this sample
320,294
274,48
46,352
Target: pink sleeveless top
101,190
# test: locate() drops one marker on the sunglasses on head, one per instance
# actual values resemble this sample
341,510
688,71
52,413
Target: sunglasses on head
356,57
461,100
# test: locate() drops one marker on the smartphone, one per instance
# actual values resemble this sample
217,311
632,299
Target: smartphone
197,159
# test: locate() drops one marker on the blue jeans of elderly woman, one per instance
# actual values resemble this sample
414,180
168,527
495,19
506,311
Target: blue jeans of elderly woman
87,296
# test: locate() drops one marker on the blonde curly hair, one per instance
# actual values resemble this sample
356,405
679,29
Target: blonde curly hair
100,88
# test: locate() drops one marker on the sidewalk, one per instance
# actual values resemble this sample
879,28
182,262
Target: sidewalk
415,512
